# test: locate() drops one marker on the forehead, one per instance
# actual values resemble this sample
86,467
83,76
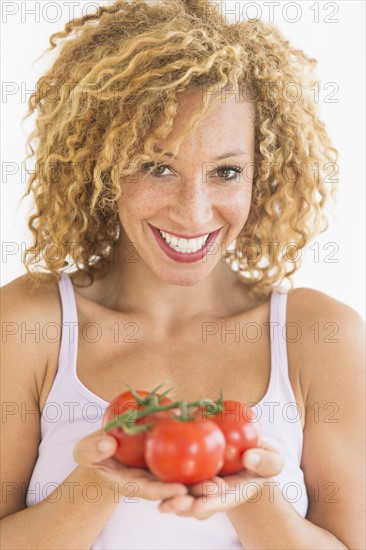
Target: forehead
229,122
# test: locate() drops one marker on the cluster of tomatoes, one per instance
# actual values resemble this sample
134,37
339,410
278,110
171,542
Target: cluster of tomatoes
180,441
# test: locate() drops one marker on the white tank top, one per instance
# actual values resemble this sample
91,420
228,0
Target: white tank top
72,411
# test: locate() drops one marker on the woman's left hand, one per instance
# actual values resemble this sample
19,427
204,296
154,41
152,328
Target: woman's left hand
222,493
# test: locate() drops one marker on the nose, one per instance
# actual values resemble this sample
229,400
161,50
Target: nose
193,209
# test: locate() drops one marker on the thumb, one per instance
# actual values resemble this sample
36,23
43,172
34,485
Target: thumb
93,449
264,462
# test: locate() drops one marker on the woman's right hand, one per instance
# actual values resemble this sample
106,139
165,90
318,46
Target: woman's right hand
87,453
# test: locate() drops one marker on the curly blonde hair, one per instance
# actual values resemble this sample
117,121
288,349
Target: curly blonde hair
111,92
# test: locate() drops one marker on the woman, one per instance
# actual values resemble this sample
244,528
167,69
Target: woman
174,170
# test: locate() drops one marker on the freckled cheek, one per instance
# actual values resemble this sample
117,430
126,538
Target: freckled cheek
140,202
235,209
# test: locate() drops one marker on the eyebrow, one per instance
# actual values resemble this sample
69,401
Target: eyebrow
229,154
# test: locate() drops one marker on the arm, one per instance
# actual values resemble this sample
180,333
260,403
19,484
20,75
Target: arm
332,379
273,523
63,523
69,522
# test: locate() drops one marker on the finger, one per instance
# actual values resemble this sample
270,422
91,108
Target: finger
205,506
92,449
181,505
160,490
199,508
264,462
209,487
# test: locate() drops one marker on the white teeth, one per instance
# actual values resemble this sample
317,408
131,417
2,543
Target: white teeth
184,245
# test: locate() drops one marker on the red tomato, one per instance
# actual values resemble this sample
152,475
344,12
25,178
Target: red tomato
131,447
241,433
185,451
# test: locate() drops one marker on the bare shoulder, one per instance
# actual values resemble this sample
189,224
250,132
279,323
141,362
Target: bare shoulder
322,333
29,317
321,319
24,303
303,303
24,285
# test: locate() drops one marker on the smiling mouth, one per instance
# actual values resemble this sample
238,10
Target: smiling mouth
185,246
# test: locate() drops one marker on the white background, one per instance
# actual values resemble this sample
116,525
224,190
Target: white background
332,32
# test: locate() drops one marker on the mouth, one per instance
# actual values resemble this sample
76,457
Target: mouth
183,249
184,245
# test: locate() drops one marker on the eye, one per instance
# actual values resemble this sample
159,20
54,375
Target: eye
157,170
237,172
151,167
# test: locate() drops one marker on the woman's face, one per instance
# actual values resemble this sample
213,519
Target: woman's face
191,195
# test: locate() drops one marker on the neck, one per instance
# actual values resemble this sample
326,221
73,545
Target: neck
132,286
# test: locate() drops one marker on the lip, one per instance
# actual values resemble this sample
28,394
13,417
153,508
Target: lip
181,256
183,236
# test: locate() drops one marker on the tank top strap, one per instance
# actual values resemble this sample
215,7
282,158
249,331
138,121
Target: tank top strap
277,327
69,338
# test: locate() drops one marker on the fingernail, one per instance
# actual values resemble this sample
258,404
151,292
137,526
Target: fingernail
105,446
253,459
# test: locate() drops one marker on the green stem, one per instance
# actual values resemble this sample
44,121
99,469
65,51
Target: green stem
151,397
151,409
184,409
139,399
153,392
129,419
220,401
122,420
165,393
